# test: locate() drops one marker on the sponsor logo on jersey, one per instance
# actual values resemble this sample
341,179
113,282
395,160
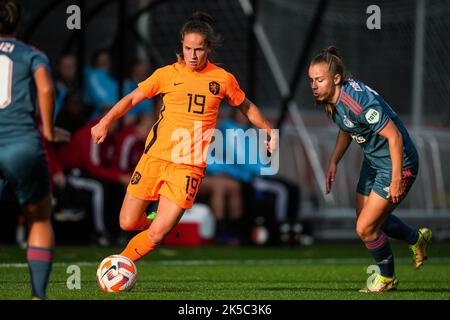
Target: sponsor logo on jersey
348,123
7,47
355,85
136,177
359,139
372,116
214,87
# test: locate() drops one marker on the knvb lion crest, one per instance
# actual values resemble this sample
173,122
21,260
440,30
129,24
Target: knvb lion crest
214,87
135,178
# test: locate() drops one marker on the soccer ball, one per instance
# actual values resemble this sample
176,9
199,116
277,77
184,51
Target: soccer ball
116,273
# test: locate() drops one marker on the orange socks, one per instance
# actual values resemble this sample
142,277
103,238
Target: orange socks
139,246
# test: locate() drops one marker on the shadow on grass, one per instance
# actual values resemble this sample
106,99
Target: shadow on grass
247,281
301,286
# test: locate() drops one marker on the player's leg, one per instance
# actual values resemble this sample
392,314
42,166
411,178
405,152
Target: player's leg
40,232
168,215
371,211
177,187
132,214
40,245
142,189
27,171
393,227
360,202
366,181
368,226
417,238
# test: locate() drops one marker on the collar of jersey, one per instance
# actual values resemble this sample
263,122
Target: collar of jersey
204,70
340,94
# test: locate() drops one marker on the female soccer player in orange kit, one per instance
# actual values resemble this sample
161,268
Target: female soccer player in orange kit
192,91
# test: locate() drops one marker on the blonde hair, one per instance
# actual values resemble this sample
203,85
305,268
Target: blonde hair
331,57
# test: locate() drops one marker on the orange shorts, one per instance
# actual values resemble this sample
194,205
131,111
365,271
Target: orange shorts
154,177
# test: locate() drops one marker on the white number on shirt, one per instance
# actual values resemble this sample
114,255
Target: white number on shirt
6,72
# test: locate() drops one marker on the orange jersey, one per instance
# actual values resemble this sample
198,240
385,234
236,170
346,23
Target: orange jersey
188,115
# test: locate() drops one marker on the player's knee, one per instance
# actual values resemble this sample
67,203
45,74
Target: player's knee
39,211
365,232
128,224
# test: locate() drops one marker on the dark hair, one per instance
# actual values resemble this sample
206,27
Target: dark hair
10,14
331,57
202,23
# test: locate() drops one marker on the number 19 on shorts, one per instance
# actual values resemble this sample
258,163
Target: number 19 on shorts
191,186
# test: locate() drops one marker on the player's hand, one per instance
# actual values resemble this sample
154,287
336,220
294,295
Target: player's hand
331,175
99,132
396,191
272,145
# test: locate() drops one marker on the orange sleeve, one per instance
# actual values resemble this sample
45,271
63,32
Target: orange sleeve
233,91
154,84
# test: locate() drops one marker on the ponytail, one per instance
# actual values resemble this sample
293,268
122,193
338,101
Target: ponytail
331,57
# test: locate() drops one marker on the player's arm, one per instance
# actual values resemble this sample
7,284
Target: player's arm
342,142
254,115
46,101
100,130
395,141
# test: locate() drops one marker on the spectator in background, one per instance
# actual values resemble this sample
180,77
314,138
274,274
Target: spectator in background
74,114
129,143
229,184
139,72
226,195
88,167
101,89
65,80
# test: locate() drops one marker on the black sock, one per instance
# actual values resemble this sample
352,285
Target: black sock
397,229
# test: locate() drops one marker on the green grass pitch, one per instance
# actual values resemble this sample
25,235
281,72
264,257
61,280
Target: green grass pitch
318,272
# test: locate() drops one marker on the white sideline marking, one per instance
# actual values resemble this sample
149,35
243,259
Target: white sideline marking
325,261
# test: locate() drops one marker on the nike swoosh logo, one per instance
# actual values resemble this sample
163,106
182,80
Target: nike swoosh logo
135,250
109,269
177,83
